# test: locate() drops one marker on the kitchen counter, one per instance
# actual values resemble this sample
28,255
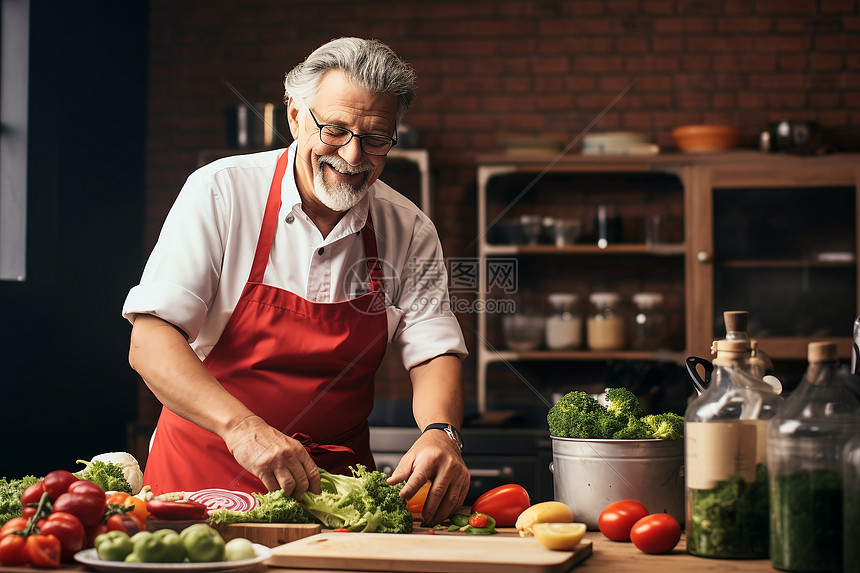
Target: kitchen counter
608,556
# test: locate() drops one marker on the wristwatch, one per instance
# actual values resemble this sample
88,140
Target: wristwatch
452,432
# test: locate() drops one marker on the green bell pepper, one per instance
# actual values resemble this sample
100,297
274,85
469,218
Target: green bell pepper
113,546
161,546
202,543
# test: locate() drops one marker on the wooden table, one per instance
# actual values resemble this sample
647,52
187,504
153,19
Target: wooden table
608,556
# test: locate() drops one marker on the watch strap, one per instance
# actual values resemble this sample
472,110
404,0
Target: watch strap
449,429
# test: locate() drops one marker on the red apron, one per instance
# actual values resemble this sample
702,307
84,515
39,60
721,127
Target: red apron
306,368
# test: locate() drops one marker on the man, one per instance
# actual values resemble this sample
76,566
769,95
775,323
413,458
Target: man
276,284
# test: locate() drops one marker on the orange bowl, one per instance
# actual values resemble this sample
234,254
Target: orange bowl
701,138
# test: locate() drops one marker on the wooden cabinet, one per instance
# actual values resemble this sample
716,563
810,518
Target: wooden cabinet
773,234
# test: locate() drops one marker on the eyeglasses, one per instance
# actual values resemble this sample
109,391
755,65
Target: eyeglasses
337,136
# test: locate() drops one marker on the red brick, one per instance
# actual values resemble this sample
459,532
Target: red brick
559,65
668,44
586,64
635,45
781,44
823,100
781,81
784,6
794,62
851,23
825,61
785,100
841,6
724,100
664,7
838,42
744,25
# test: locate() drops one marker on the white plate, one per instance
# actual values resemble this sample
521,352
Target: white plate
90,558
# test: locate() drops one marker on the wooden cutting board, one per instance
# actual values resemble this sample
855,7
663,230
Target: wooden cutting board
268,534
425,553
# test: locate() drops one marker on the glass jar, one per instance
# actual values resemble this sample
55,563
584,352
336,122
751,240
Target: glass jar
855,349
851,503
804,454
605,323
725,451
564,325
649,321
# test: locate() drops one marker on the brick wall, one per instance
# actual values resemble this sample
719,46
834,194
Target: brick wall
494,70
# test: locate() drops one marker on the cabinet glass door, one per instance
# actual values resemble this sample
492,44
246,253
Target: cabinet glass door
788,255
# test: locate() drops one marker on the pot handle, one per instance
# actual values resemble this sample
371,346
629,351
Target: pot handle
691,363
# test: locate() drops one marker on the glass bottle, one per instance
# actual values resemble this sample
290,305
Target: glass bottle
649,321
851,503
605,324
726,458
564,326
804,455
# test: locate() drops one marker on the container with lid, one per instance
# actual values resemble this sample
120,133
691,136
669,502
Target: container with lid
605,322
649,321
725,435
805,442
564,325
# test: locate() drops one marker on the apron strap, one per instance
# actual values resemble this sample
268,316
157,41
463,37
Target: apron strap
374,265
315,449
270,219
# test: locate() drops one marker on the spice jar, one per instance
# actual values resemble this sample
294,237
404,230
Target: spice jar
725,450
649,321
564,325
605,323
804,458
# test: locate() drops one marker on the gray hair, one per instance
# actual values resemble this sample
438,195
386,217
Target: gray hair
368,63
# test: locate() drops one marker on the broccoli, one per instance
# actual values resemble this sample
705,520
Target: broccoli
579,415
361,502
107,475
667,426
272,507
622,403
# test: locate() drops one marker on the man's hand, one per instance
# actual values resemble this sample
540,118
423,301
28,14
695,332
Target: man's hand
278,460
434,457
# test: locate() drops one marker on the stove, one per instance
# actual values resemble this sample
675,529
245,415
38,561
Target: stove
494,456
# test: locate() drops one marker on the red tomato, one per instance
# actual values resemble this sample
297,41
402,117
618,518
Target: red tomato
124,522
12,551
43,551
83,503
14,524
33,493
68,529
656,533
93,532
504,504
478,520
57,482
617,519
82,486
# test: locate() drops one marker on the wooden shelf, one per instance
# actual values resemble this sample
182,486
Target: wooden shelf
619,249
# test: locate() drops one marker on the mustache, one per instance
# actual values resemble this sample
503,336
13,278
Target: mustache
344,167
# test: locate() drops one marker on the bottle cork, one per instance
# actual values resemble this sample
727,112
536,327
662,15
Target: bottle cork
822,352
736,320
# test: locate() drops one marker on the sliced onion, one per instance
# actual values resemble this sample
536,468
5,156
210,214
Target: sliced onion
224,499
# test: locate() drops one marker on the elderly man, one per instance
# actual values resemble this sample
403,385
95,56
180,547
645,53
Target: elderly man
276,285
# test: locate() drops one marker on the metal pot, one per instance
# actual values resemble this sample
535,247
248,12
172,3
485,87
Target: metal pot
588,475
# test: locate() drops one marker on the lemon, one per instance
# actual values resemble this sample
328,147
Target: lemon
560,536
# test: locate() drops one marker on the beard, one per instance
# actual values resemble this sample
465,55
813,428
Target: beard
340,196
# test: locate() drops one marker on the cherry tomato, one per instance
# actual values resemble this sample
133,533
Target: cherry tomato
43,551
416,502
33,493
135,507
57,482
617,519
28,511
478,520
12,550
68,529
504,504
14,524
656,533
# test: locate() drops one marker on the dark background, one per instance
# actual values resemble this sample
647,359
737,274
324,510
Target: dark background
67,389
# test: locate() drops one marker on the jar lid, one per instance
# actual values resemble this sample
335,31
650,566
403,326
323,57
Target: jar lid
604,297
563,298
647,299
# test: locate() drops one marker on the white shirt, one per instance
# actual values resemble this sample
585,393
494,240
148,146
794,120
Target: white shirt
203,256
